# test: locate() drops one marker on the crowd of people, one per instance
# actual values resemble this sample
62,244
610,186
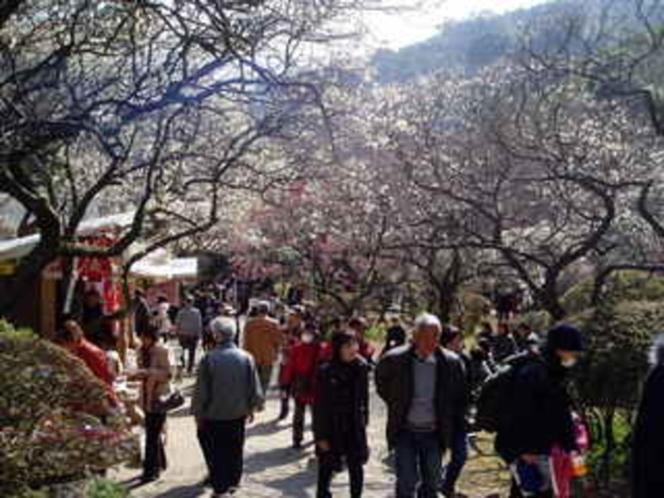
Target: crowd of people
437,393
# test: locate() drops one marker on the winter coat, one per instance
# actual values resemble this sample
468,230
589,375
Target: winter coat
300,371
262,338
648,440
502,347
227,385
394,382
395,337
540,412
341,408
156,384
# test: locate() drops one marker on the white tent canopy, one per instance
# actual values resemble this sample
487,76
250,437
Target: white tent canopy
159,265
21,247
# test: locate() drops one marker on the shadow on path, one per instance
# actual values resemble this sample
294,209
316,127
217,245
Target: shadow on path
191,491
296,485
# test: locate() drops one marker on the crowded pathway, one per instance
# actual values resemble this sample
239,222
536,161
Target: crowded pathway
274,469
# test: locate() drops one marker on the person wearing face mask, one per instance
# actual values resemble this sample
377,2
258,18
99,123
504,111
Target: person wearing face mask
300,374
540,414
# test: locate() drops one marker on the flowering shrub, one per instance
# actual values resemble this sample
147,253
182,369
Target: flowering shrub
56,421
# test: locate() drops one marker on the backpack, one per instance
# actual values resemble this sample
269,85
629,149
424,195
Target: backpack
496,393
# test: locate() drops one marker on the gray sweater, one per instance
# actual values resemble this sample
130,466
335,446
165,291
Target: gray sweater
189,322
227,387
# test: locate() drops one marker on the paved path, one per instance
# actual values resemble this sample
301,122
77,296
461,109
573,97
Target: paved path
273,469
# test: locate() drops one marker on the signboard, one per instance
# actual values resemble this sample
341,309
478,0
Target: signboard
7,267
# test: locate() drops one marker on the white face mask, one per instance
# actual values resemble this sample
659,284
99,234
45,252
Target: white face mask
307,338
569,362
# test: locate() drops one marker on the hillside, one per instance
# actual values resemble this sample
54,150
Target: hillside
471,45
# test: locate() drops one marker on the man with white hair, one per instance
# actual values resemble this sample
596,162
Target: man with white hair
227,394
424,389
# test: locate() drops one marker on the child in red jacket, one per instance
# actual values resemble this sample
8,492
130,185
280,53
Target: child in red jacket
300,374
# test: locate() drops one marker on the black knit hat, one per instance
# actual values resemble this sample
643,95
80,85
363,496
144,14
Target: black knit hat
565,337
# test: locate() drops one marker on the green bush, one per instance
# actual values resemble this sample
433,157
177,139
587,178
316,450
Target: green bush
621,286
619,337
103,488
376,333
609,382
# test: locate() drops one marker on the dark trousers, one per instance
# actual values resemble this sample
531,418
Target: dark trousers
189,344
328,464
515,492
204,443
457,462
222,442
284,395
418,463
155,457
298,422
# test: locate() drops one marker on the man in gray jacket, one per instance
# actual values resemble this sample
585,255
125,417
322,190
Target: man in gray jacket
189,328
226,395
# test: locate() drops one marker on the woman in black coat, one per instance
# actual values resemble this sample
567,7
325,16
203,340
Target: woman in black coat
341,415
648,441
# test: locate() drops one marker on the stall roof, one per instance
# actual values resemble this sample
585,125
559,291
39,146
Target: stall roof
21,247
157,268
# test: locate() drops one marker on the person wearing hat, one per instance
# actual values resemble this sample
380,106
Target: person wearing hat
227,394
540,415
341,415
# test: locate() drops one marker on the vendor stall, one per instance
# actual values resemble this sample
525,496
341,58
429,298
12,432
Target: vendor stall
47,297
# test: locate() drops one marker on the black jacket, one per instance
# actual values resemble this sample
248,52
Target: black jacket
648,440
395,337
540,413
394,382
341,407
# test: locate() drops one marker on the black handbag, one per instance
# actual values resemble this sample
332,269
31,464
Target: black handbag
169,402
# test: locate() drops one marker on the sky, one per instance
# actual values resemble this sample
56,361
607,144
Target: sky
420,20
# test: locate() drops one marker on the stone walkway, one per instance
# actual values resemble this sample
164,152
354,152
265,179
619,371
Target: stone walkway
273,469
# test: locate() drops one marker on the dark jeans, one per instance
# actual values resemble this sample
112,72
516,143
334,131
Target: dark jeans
418,463
189,344
457,461
222,442
328,464
284,395
515,492
298,422
155,457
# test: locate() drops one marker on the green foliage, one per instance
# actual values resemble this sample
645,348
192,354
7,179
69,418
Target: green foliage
618,340
7,329
621,286
538,320
476,308
103,488
376,333
609,383
613,468
57,422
